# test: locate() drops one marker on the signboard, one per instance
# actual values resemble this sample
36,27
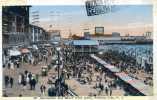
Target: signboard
96,7
99,30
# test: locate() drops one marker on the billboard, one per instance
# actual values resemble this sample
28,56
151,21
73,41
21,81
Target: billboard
99,30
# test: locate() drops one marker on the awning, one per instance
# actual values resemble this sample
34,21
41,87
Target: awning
112,68
137,84
85,43
25,50
108,66
124,77
14,53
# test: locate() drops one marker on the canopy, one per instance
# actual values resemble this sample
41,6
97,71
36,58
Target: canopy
85,42
108,66
137,84
98,59
25,50
14,53
124,77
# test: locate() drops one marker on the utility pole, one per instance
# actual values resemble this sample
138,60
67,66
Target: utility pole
58,69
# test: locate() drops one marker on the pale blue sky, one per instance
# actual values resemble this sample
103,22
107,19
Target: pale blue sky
75,17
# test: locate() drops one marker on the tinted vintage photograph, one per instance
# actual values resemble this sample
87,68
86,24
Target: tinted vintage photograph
77,50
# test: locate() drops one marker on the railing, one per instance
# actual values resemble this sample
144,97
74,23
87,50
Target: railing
9,33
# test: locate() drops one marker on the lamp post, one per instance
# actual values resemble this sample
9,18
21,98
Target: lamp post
58,63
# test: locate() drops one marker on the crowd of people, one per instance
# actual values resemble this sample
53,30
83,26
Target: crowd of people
78,66
84,69
8,81
28,78
126,64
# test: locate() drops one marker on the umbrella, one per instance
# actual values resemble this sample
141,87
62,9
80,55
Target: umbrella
24,50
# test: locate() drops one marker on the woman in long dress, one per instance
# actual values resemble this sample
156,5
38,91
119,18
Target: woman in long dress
12,65
27,79
20,79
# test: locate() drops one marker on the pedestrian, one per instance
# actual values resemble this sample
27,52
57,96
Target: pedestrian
20,95
33,83
20,79
52,91
11,82
106,90
110,91
4,65
30,76
25,72
32,60
24,84
43,89
37,77
27,79
9,65
6,78
30,83
18,65
46,59
12,65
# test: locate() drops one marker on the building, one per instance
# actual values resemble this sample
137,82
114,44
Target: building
106,39
148,35
115,34
86,35
83,46
37,34
55,36
15,25
99,30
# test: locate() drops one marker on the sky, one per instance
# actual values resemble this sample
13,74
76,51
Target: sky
125,19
